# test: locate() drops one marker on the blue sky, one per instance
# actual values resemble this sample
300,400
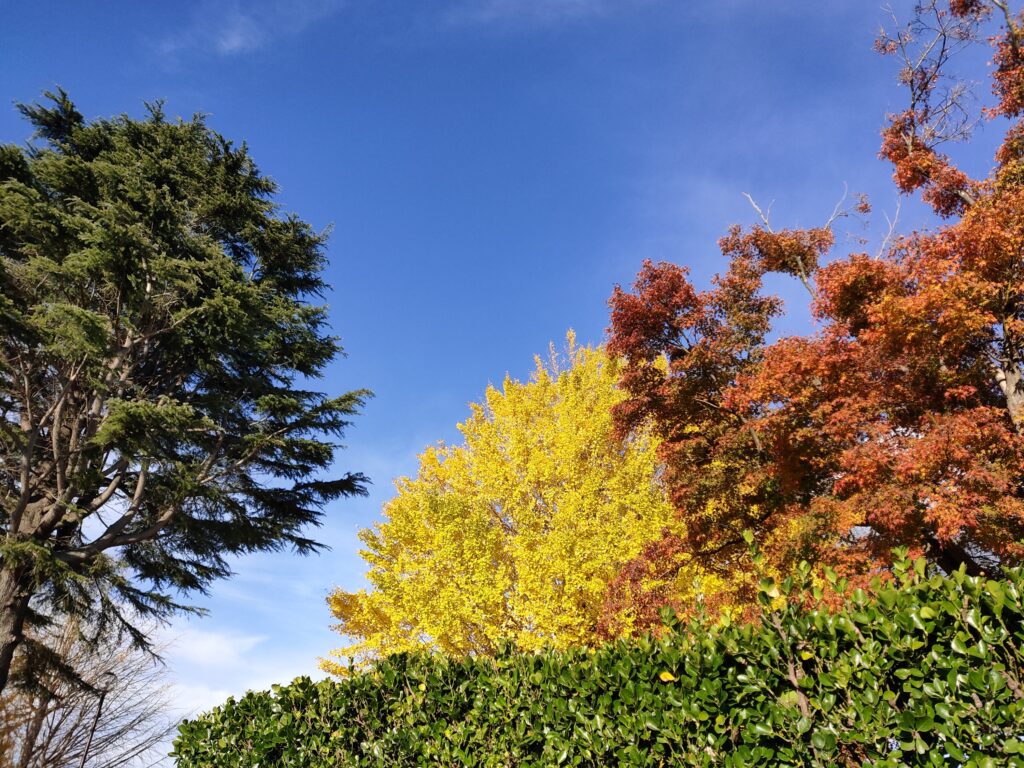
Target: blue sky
491,168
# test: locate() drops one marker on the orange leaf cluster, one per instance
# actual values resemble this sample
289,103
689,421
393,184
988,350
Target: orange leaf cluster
898,423
916,165
1008,78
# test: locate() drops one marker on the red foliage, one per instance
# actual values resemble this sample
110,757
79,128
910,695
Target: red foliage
915,165
1008,78
972,8
642,588
645,585
845,289
898,423
792,251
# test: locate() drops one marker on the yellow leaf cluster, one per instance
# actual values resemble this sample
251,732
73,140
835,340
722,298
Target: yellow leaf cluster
515,533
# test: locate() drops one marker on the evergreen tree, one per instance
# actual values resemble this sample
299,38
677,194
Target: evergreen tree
156,338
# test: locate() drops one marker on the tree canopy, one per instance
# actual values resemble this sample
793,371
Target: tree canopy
515,533
899,421
158,333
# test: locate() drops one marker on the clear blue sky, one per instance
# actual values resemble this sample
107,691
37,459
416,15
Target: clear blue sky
491,169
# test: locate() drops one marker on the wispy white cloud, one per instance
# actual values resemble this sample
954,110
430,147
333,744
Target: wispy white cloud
232,27
543,12
207,648
192,698
208,665
532,11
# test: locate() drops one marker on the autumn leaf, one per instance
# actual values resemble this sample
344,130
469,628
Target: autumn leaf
516,532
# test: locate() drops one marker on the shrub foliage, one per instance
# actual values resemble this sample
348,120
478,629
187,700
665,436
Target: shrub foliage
928,670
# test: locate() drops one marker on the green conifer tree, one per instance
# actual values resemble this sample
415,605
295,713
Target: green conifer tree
156,340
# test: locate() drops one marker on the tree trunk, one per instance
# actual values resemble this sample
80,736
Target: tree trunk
1010,382
15,593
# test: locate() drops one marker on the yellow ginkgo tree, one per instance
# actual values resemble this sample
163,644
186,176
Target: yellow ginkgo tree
515,533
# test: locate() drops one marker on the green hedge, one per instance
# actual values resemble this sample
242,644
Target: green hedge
929,671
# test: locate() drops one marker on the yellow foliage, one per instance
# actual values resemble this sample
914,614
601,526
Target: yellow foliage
516,532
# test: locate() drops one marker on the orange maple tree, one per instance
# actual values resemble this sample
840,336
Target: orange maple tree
899,421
